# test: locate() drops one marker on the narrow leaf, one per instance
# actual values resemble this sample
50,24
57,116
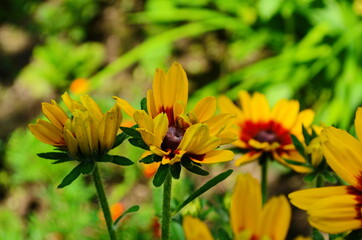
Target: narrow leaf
144,105
132,209
187,163
105,158
55,155
307,137
211,183
298,145
120,139
119,160
74,174
329,177
161,174
175,170
296,163
138,142
63,160
310,177
151,158
86,167
131,132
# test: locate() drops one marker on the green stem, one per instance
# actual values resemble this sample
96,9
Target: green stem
264,180
103,201
319,181
166,209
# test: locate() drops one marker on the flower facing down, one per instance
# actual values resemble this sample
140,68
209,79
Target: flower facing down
86,136
265,131
171,134
251,221
337,209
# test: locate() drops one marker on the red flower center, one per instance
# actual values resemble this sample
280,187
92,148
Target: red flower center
264,132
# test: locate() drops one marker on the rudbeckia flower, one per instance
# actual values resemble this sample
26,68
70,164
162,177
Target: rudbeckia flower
171,133
251,221
263,131
89,133
337,209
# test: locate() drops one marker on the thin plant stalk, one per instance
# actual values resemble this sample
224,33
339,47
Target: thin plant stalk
264,181
103,201
166,208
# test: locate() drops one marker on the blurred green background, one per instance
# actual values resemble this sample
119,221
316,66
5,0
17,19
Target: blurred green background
309,50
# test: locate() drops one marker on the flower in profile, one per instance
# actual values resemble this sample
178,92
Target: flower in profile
173,135
251,221
86,136
337,209
195,229
263,131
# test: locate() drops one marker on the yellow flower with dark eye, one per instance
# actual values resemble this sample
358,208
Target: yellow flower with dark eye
337,209
89,133
171,133
262,130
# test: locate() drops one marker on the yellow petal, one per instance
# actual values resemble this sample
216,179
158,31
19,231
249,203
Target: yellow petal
158,151
47,133
92,107
286,112
220,123
247,157
176,85
204,109
292,155
358,123
227,106
195,229
275,218
245,206
303,199
258,101
125,106
197,140
81,122
151,106
55,114
178,109
108,128
71,104
158,90
72,142
305,118
343,154
160,126
336,214
245,103
215,156
143,120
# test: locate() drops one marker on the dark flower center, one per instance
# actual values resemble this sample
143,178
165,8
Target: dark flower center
266,136
173,138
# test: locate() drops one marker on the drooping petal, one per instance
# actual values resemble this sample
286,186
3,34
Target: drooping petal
343,154
275,218
303,199
71,104
204,109
55,114
125,106
47,133
195,229
245,206
247,157
294,156
143,120
214,156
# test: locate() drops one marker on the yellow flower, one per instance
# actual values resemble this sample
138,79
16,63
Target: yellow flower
337,209
171,133
195,229
88,133
262,130
251,221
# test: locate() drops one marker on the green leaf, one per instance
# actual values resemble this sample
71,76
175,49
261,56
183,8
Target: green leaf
297,163
63,160
86,167
131,132
211,183
175,170
187,163
144,104
74,174
310,177
138,142
151,158
355,234
132,209
329,177
120,139
119,160
316,235
307,137
55,156
298,145
161,174
105,158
